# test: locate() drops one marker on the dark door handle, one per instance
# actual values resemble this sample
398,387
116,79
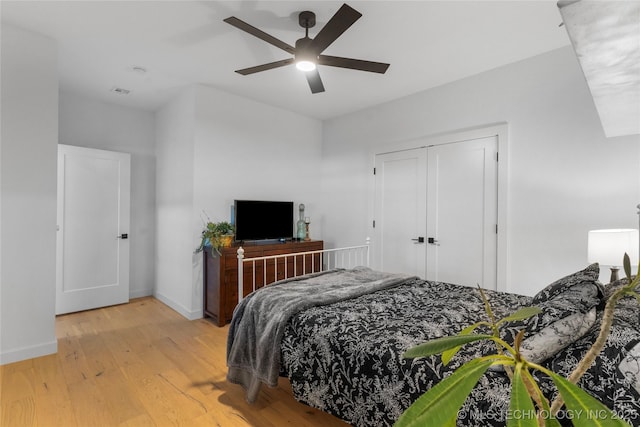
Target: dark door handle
432,241
123,236
419,240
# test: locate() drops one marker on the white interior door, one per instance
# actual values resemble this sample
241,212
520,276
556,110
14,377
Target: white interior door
400,211
462,212
93,227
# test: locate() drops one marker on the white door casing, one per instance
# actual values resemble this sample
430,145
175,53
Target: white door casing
462,212
93,225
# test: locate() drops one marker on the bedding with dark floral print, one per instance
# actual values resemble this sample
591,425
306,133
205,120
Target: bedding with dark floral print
346,358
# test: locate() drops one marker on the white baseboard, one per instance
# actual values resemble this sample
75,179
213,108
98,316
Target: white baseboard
25,353
189,314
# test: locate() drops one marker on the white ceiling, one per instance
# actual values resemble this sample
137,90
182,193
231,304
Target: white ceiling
179,43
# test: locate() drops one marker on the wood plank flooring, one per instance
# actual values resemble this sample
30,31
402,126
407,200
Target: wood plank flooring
140,364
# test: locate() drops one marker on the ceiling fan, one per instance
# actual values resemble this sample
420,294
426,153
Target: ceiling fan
307,52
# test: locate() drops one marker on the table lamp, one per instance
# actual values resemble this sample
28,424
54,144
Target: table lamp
608,247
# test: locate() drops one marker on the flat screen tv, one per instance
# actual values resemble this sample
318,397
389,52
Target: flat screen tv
263,220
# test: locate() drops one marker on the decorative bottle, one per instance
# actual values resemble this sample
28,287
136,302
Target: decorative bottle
301,227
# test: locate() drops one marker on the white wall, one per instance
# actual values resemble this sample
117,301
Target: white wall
88,123
175,129
28,142
248,150
214,147
565,176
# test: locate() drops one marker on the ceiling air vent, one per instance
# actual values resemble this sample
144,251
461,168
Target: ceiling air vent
120,91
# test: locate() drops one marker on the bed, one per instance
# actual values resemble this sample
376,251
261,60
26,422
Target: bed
343,353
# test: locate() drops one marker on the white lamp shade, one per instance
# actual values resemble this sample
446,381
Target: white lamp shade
608,247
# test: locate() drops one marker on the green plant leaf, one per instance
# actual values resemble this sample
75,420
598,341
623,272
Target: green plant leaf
439,406
585,410
521,410
487,306
448,354
626,263
548,421
518,340
438,345
523,313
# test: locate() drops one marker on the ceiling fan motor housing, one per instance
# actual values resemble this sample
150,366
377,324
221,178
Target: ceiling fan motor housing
302,53
307,19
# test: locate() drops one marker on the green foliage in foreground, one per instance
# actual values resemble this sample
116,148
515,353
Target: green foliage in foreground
528,407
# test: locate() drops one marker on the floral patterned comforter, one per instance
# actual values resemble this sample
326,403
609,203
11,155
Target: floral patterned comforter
345,358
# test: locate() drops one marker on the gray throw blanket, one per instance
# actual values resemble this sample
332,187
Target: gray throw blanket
255,333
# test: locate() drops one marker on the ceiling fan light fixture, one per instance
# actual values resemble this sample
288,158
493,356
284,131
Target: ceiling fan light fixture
305,65
305,58
307,53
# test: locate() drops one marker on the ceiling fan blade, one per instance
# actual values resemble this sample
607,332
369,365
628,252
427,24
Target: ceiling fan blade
259,34
354,64
338,24
315,82
265,67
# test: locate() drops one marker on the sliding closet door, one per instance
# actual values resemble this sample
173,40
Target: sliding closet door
462,212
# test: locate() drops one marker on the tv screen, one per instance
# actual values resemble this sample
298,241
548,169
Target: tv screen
263,220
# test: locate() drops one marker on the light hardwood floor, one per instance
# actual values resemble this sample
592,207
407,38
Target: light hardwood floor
140,364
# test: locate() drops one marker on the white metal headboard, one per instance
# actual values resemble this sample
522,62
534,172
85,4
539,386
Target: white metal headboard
309,262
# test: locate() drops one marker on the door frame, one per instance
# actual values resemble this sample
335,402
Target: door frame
499,130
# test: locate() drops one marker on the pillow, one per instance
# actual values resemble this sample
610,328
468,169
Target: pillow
627,308
613,377
568,310
629,367
589,274
612,287
628,311
550,339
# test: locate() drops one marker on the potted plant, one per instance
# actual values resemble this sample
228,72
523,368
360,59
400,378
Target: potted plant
217,235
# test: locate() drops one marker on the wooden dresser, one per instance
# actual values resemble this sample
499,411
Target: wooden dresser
221,273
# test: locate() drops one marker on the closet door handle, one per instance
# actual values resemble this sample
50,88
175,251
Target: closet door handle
432,241
419,240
